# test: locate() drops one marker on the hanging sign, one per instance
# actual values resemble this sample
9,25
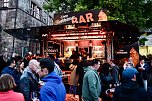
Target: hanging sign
80,17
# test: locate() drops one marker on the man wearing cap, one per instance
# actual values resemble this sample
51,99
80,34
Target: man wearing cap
53,89
129,90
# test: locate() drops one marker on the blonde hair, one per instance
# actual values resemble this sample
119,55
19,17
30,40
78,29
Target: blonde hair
6,83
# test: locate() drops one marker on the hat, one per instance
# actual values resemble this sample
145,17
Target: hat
129,73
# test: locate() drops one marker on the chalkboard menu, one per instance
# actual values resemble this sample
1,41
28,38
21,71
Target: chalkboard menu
53,48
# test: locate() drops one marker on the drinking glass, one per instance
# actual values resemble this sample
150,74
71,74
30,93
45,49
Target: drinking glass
34,96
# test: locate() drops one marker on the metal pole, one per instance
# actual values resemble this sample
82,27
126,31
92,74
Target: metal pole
43,44
112,47
15,25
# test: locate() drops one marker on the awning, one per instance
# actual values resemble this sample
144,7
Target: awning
80,29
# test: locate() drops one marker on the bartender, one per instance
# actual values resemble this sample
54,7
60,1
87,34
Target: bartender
74,55
83,53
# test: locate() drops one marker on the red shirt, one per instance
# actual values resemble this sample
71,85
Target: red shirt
11,96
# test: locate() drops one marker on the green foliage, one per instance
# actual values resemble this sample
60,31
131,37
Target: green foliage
132,12
79,7
143,40
61,6
90,3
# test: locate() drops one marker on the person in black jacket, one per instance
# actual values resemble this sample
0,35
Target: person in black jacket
80,71
17,72
143,69
3,62
10,67
28,83
129,90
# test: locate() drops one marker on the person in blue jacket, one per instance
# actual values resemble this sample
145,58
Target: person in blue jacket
53,88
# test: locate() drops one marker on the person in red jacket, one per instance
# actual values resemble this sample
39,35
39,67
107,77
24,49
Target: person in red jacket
7,84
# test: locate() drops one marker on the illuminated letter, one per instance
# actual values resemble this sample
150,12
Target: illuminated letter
89,17
74,19
82,19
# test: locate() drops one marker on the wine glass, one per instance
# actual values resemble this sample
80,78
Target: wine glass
34,96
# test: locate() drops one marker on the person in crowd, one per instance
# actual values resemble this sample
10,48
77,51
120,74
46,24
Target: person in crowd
26,59
28,81
17,72
129,90
11,64
128,63
80,71
91,88
38,56
53,89
143,69
149,80
7,84
57,61
114,72
74,55
57,68
3,60
106,80
73,77
17,57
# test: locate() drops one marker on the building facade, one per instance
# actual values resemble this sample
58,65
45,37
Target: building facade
16,14
145,41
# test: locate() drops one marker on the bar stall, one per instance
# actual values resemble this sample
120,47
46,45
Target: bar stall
87,33
79,32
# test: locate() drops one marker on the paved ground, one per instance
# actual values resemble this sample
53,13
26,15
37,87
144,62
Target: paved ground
69,97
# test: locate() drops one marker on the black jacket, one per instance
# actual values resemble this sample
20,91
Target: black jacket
143,74
130,91
27,84
3,63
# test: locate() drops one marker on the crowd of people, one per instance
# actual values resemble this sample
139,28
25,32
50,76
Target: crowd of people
40,79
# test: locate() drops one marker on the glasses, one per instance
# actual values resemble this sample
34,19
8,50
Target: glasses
38,67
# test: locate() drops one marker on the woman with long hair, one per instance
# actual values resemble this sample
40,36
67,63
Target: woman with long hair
17,72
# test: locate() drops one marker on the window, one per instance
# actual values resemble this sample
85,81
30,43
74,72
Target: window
38,12
35,10
33,6
44,19
5,3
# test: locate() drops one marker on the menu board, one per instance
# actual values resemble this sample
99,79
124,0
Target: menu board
68,50
98,51
53,48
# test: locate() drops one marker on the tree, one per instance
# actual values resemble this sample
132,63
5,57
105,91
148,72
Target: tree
61,6
132,12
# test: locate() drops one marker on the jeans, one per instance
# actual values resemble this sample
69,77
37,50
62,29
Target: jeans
73,90
145,84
